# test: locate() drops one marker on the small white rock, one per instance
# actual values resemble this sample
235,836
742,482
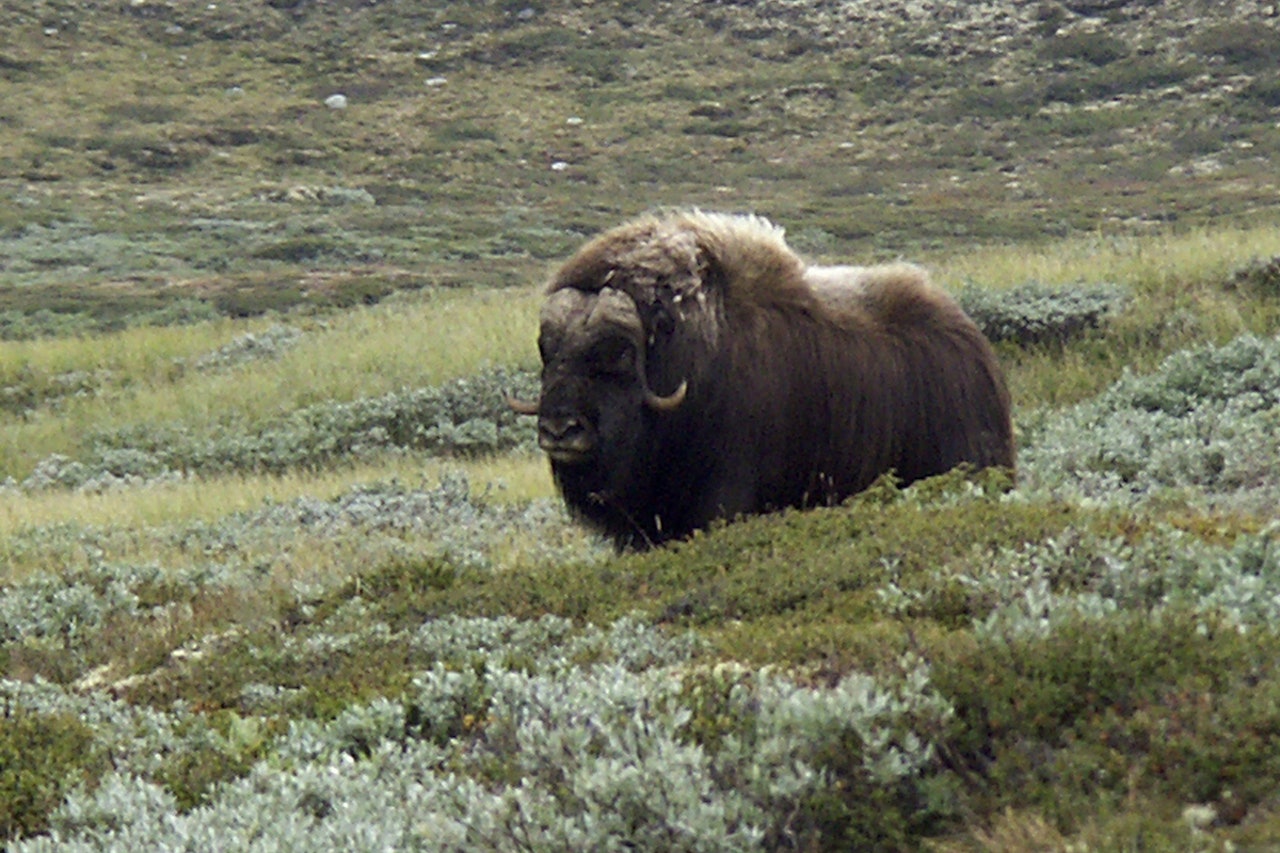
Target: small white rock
1199,816
336,102
573,120
436,81
559,166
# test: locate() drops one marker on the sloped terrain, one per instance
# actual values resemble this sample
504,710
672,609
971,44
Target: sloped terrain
188,144
279,569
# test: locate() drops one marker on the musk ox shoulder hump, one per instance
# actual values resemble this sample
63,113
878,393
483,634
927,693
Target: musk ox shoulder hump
892,293
748,253
741,258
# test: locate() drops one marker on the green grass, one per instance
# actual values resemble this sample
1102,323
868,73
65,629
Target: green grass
208,128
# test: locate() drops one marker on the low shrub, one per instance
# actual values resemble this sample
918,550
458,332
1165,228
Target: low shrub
42,755
1240,43
1075,658
269,343
1203,426
1035,313
1259,278
1263,92
464,417
42,323
1093,47
1099,707
555,754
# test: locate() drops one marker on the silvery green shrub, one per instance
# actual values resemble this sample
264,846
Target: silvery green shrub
1037,587
66,609
446,520
138,738
251,346
1036,313
1260,277
1205,424
553,754
465,416
388,522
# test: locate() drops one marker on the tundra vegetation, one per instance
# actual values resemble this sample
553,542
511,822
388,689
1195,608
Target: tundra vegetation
280,570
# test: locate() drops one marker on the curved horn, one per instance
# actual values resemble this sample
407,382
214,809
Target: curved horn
523,407
668,403
656,401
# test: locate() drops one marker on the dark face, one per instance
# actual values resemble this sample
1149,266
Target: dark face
592,407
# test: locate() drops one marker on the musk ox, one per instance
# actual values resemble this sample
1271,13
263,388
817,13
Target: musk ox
694,369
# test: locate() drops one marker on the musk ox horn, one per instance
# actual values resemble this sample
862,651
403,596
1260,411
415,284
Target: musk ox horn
523,407
621,309
668,403
653,400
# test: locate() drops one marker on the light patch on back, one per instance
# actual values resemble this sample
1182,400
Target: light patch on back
848,289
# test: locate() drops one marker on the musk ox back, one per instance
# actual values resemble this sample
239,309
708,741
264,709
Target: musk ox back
694,368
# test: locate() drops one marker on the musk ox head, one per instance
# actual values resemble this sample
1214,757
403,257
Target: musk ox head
624,337
595,385
620,327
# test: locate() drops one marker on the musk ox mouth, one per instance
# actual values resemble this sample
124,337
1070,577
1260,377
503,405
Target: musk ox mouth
570,452
567,455
565,439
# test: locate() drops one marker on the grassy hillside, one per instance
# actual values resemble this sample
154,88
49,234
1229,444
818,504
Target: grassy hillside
280,570
181,144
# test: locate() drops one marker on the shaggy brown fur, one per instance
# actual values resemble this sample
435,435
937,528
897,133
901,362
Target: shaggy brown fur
745,381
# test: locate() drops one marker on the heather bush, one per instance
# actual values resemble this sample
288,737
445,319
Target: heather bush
41,757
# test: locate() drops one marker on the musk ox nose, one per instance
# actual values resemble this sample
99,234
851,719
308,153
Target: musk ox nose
565,438
558,429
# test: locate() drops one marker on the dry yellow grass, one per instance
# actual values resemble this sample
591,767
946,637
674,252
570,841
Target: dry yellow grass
151,508
403,343
1146,263
502,478
428,338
